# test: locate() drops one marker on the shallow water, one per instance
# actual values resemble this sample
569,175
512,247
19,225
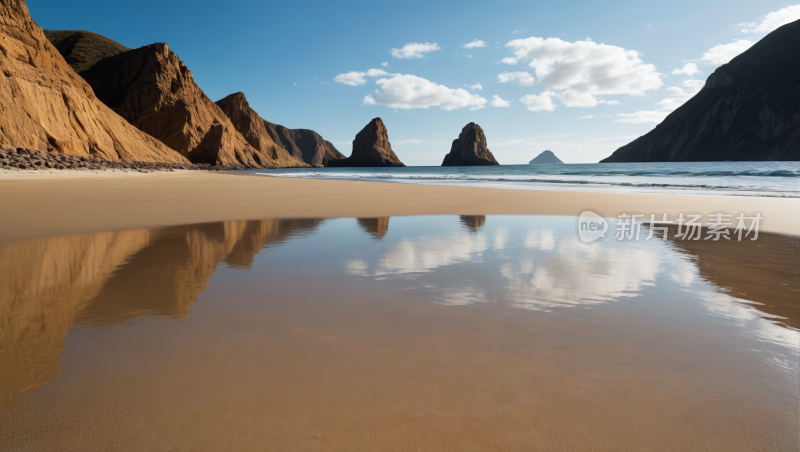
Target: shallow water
403,333
772,179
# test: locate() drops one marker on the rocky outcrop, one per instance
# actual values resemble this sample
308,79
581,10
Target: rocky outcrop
304,144
256,131
371,148
545,157
45,105
155,91
83,49
470,149
748,110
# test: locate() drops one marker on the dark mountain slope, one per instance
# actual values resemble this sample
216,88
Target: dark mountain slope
83,49
748,110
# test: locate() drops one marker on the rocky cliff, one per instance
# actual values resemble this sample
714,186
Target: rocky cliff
748,110
371,148
154,90
46,106
470,149
83,49
256,131
304,144
545,157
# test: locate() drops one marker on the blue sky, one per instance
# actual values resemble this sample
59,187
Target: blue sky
300,64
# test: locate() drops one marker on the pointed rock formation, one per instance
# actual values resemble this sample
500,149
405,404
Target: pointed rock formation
545,157
255,130
470,149
748,110
371,148
155,91
45,105
304,144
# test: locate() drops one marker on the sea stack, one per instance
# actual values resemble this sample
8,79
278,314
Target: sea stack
470,149
545,157
46,106
371,148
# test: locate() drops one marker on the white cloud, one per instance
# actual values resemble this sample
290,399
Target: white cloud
410,141
385,64
475,43
499,102
773,20
509,60
469,56
525,78
613,102
414,50
723,53
377,73
688,69
540,102
588,117
582,70
368,100
406,91
352,78
678,97
476,86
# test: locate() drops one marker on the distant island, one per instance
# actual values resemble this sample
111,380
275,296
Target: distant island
545,157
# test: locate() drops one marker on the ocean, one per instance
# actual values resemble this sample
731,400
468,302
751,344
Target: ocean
772,179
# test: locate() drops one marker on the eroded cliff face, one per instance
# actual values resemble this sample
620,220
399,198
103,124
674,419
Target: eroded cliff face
49,286
470,149
45,105
748,110
304,144
154,90
254,129
371,148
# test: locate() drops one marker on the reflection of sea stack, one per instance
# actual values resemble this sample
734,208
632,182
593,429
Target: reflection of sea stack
545,157
377,227
470,149
473,222
371,148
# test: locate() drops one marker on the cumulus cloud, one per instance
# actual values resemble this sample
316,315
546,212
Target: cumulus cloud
352,78
723,53
497,101
407,91
368,100
385,64
773,20
583,70
509,60
679,95
540,102
477,86
688,69
525,78
475,43
414,50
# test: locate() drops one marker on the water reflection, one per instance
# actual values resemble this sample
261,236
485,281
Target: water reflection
51,285
376,227
473,222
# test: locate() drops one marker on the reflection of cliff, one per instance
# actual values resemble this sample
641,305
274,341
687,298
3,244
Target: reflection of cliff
377,227
765,271
473,222
48,286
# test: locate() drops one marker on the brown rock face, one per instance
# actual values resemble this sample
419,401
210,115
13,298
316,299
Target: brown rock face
304,144
45,105
371,148
255,130
152,89
470,149
83,49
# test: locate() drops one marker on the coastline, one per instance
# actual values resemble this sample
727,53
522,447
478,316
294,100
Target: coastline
66,203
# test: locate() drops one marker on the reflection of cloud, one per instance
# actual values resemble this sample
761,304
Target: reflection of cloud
542,240
576,274
500,239
423,255
462,296
683,273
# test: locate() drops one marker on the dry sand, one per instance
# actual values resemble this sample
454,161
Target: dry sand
42,204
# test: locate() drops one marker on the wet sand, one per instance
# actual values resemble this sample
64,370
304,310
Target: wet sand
434,333
41,205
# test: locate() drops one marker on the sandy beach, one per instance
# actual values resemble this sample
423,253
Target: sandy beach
45,204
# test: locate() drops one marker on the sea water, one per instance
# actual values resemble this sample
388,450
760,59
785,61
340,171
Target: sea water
773,179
